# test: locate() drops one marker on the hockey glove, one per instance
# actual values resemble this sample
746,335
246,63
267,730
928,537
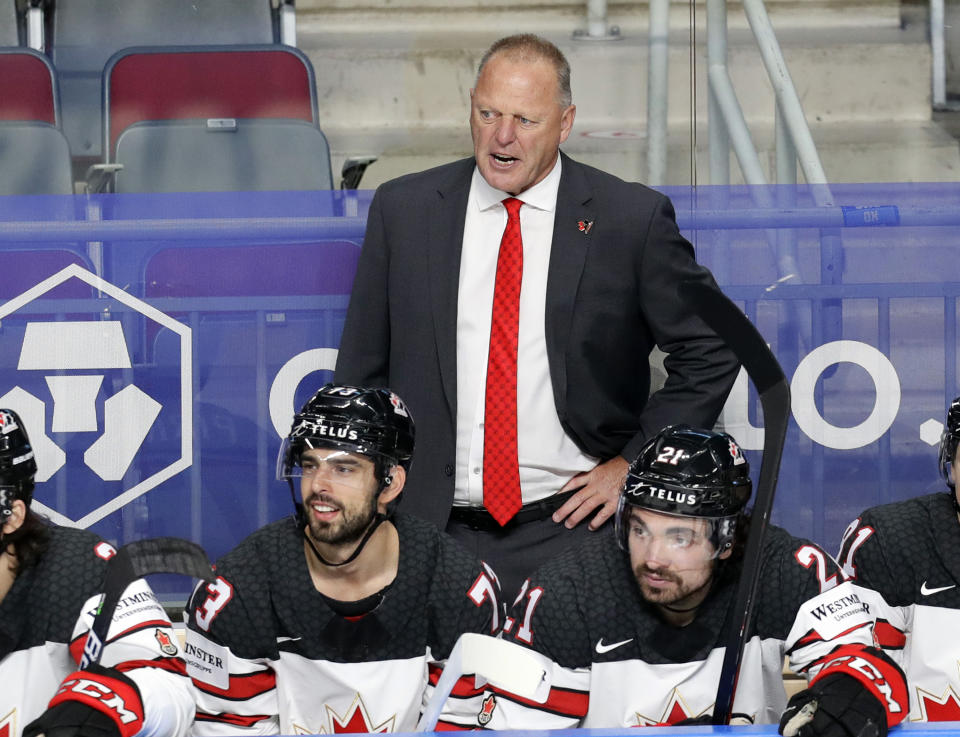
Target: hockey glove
859,691
97,702
837,705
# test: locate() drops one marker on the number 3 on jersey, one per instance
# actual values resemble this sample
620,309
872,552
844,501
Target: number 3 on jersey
220,592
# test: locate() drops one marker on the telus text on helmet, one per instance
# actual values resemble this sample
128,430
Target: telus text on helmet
668,495
324,430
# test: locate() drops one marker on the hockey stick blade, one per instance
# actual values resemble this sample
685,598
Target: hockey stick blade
733,327
136,560
501,663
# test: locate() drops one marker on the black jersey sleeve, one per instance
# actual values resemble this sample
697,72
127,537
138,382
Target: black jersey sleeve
464,597
228,649
863,558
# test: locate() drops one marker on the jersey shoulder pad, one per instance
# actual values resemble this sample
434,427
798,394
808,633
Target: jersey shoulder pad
794,571
891,547
586,590
440,578
237,610
70,572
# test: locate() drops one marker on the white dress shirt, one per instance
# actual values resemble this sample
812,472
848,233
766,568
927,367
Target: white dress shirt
547,457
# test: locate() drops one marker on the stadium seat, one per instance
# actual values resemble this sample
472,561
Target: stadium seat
222,154
34,155
201,82
34,159
9,22
85,33
28,87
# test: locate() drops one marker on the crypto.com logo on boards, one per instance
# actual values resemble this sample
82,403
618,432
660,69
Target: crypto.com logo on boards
57,347
735,413
886,385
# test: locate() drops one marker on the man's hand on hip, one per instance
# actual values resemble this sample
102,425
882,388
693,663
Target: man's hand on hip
599,490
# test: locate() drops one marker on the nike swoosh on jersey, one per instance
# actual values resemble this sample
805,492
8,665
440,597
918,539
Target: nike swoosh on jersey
601,648
284,638
928,591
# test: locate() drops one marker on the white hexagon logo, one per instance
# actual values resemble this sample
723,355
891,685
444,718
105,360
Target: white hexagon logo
930,431
54,349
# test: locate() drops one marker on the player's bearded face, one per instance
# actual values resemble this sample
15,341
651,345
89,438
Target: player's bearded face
339,496
671,556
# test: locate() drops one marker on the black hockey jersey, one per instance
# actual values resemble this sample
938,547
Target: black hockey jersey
269,655
45,617
613,662
909,553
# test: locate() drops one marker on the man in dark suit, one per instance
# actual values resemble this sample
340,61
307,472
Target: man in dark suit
601,262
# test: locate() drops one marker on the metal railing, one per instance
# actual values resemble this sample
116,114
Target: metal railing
242,342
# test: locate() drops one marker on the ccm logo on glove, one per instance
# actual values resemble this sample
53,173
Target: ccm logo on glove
868,674
103,690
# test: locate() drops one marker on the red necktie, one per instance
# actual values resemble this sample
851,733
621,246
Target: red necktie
501,471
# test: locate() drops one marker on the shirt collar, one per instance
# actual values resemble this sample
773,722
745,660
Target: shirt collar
542,195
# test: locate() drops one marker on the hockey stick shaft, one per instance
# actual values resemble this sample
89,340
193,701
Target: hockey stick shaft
733,327
136,560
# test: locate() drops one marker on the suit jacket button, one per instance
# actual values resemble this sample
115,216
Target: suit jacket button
448,469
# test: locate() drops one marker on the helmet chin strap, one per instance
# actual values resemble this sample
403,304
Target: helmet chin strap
378,519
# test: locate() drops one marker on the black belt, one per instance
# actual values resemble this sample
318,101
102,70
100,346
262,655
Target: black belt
480,519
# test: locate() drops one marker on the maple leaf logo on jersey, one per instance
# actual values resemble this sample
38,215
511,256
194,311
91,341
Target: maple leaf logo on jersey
355,720
8,724
166,643
486,710
675,711
945,708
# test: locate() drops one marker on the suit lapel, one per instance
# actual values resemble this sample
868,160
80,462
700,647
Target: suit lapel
445,241
568,253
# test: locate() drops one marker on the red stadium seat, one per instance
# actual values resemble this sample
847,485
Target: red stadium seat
34,155
204,82
83,34
28,87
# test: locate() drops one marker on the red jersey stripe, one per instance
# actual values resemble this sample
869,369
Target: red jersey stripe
242,687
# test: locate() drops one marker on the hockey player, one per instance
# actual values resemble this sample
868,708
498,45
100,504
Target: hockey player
630,627
50,583
909,553
337,619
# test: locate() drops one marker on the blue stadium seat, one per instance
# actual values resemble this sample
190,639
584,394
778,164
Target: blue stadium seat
223,154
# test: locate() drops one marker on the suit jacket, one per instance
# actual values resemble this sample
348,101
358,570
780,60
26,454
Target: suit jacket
611,296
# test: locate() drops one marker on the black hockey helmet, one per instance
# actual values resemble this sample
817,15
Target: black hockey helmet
18,467
689,472
949,439
371,422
